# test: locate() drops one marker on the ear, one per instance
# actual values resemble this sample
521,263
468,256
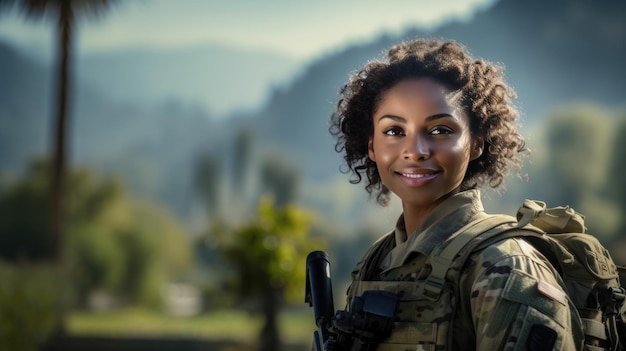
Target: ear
477,148
370,149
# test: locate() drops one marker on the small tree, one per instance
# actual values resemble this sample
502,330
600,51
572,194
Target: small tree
267,256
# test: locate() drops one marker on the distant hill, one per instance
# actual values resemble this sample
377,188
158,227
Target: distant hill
554,51
24,100
152,147
136,113
215,77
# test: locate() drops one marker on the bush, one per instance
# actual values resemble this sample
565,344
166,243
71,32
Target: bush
30,304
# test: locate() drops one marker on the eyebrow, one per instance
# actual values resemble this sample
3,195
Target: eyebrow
428,119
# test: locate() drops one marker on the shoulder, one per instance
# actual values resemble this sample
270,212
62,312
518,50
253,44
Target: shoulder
512,283
515,266
508,250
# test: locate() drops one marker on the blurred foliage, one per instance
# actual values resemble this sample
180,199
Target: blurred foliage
576,169
266,256
124,247
23,214
30,300
116,245
264,250
577,143
268,250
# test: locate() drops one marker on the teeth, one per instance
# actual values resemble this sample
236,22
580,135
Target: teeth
411,175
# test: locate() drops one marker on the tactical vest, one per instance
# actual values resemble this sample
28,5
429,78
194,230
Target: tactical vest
428,304
428,294
423,323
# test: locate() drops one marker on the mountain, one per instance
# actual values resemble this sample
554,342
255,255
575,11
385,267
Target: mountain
554,51
218,78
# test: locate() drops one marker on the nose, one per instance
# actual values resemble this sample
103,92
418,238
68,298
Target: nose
416,148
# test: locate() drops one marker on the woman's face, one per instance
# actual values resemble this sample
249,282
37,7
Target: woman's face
421,143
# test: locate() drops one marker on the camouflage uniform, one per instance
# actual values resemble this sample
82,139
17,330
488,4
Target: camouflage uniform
507,296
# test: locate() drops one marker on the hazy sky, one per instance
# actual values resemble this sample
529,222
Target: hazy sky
302,29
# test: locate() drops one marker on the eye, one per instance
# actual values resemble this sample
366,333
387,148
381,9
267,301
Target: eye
394,131
441,130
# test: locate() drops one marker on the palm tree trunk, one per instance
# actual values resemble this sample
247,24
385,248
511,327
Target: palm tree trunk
59,153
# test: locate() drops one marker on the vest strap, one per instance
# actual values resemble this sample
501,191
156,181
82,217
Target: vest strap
594,328
443,257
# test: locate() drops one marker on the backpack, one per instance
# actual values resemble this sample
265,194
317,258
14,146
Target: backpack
590,275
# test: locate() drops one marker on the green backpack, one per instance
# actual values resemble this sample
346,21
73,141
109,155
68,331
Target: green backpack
591,276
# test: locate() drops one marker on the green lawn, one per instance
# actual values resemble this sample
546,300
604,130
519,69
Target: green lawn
296,325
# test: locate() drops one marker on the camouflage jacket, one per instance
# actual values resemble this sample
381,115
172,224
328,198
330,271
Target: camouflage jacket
507,296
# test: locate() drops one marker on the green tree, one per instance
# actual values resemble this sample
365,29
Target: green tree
267,253
119,245
64,12
23,235
153,233
122,246
30,296
267,256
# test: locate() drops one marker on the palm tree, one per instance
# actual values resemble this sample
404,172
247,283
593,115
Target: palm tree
64,12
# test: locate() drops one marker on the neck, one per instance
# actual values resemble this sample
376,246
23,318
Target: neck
414,215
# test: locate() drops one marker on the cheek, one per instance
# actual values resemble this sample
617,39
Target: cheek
458,155
384,153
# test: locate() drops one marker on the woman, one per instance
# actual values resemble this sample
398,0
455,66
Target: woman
431,124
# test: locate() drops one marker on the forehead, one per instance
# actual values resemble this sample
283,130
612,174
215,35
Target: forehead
420,86
423,93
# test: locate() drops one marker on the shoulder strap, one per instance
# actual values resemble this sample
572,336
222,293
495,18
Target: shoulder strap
456,250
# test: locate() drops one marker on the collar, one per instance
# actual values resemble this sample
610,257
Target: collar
448,217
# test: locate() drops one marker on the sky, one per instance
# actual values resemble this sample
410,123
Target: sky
301,29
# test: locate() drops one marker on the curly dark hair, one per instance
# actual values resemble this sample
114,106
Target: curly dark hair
481,92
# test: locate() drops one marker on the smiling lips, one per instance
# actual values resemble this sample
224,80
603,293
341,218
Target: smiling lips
417,177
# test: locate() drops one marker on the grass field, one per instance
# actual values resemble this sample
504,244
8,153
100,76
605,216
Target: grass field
296,326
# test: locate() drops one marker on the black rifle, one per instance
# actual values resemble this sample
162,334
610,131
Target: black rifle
369,320
319,295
